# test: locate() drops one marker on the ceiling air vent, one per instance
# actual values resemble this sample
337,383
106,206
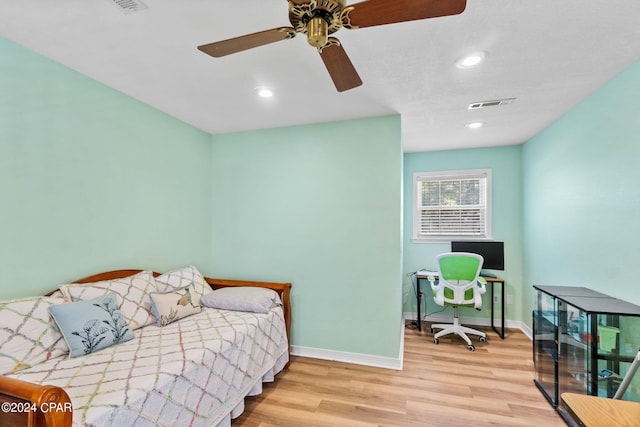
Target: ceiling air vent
496,103
129,6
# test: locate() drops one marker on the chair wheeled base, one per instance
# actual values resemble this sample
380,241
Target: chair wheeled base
458,329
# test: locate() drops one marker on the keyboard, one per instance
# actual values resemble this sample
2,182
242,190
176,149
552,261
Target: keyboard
427,273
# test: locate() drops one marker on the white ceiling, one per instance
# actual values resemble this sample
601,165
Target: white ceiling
549,54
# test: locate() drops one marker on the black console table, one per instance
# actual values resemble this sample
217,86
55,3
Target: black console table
584,342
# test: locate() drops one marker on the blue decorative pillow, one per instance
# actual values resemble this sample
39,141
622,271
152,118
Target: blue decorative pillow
88,326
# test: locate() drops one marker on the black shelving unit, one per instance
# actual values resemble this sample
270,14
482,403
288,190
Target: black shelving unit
584,342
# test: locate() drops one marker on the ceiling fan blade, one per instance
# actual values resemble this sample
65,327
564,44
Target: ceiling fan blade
339,66
381,12
248,41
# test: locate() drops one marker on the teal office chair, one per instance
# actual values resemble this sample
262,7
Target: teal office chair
459,285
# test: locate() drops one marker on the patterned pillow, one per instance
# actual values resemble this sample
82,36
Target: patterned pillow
57,294
88,326
183,277
174,305
27,334
131,292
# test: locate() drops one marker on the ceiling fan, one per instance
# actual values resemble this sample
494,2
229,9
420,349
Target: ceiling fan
320,18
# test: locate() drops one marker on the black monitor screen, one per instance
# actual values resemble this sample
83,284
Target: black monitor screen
492,252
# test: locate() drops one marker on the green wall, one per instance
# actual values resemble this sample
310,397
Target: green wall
582,202
92,180
505,164
319,206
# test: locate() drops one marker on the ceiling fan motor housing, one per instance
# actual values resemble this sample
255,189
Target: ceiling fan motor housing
317,19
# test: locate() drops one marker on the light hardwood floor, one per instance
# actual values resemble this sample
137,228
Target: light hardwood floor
440,385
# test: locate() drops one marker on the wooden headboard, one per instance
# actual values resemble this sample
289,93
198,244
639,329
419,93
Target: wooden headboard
283,289
21,394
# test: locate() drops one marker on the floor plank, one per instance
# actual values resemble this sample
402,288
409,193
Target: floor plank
441,385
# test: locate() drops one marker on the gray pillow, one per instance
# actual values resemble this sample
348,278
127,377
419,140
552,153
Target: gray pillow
242,298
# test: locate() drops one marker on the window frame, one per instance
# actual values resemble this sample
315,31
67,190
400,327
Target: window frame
419,177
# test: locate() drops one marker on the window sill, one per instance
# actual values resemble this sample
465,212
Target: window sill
448,239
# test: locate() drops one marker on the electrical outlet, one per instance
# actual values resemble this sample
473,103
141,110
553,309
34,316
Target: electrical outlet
509,299
496,300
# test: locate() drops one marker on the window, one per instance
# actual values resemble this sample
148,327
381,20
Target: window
451,205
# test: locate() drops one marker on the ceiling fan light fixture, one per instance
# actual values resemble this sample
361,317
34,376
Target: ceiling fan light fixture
472,60
474,125
317,32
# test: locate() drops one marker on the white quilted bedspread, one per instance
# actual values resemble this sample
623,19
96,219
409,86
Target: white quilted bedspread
193,372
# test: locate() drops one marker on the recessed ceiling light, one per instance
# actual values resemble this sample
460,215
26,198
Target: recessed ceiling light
472,60
264,92
474,125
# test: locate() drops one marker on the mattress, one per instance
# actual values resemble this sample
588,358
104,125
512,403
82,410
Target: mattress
194,372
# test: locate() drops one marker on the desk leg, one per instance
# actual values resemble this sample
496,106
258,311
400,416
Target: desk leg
502,309
419,300
492,307
501,332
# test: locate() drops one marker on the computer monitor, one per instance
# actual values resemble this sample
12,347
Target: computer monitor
492,252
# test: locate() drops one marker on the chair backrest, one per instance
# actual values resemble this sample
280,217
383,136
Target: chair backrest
459,266
459,272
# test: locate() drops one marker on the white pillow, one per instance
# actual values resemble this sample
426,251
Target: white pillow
243,298
28,335
174,305
182,277
132,293
57,294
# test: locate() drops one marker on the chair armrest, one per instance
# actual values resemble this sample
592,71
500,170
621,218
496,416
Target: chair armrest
482,285
432,281
438,297
437,289
480,288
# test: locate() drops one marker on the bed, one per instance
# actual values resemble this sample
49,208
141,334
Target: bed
193,372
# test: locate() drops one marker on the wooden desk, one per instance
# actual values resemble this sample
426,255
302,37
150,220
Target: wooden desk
490,280
594,411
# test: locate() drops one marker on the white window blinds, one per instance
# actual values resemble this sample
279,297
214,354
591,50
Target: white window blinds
452,204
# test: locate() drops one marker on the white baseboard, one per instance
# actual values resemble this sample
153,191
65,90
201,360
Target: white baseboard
477,321
527,331
357,358
391,362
